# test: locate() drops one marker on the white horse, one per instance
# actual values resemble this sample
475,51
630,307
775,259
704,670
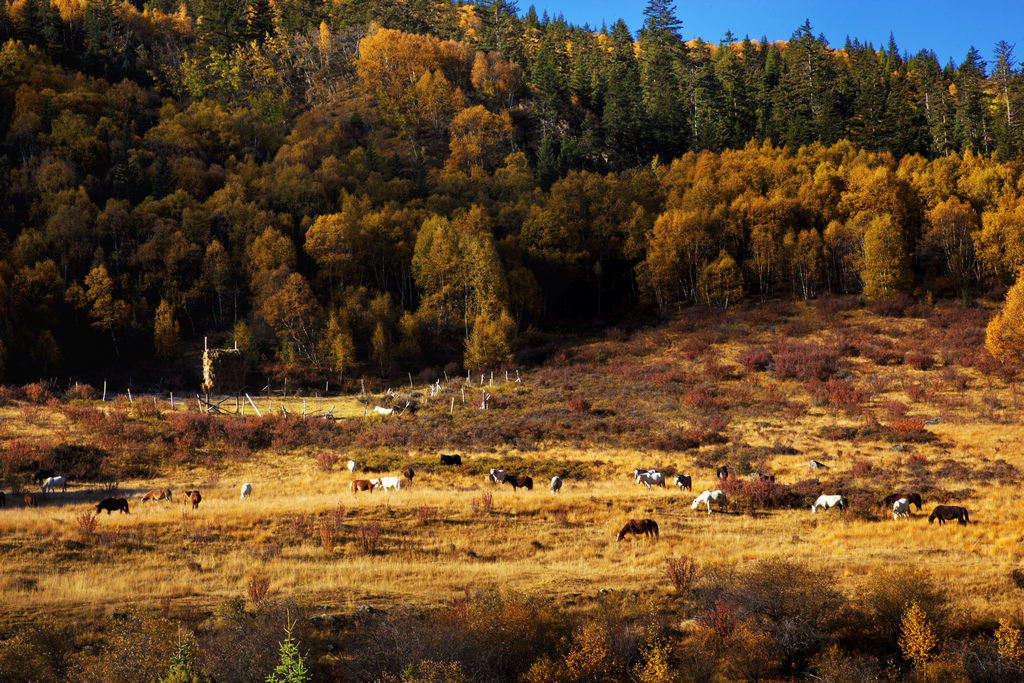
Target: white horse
497,476
54,482
556,484
246,490
901,508
650,478
826,502
387,483
352,466
717,497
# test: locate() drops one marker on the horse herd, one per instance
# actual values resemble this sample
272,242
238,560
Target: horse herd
49,482
899,503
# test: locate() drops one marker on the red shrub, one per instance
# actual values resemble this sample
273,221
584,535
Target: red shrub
895,409
838,394
891,307
9,394
860,469
920,361
906,425
326,461
804,361
38,392
701,397
83,392
918,392
578,404
756,360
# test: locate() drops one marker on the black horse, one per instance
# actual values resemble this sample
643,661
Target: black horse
947,513
914,498
451,459
111,504
723,472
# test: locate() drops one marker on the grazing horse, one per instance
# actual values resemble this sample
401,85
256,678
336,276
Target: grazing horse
111,504
723,472
815,465
383,411
646,527
352,466
947,513
408,472
193,497
683,481
53,482
900,508
42,475
451,459
640,470
246,490
826,502
387,483
717,497
650,478
157,494
914,498
496,476
519,481
31,500
357,485
556,484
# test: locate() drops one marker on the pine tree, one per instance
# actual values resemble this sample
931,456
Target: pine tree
292,665
1009,95
622,116
661,62
972,126
182,668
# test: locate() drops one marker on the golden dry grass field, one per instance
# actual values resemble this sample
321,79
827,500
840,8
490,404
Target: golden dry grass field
451,532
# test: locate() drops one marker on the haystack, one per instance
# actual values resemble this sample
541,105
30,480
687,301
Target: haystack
223,371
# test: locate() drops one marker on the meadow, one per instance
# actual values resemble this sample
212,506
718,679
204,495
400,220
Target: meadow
890,398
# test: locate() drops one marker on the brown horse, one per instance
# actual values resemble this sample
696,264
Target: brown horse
647,527
408,472
947,513
519,481
193,497
357,485
31,500
157,494
111,504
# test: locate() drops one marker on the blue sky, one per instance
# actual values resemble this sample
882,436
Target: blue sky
948,28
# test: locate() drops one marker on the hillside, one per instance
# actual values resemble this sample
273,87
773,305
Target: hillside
452,565
371,189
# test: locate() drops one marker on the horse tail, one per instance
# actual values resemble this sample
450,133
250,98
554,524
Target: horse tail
654,527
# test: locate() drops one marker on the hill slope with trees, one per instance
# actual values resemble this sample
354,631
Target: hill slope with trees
356,187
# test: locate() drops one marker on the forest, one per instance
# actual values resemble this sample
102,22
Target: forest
353,188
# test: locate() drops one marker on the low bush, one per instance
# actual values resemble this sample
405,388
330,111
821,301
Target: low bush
756,360
804,361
